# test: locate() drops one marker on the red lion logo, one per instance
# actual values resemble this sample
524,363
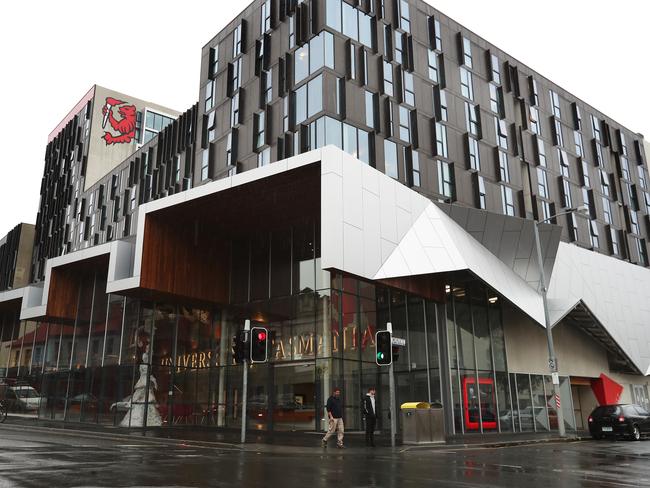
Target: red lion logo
125,126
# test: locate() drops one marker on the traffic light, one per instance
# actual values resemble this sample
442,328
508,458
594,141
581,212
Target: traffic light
239,346
383,347
259,344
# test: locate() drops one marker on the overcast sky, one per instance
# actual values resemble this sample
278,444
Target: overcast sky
51,53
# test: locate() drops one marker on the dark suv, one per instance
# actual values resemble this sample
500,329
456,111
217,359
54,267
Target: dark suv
619,420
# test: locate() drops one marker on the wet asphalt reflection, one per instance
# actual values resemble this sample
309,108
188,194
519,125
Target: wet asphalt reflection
40,458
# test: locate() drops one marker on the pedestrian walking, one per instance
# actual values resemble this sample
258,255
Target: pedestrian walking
370,414
334,409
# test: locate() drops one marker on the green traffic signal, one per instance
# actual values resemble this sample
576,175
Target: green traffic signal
383,347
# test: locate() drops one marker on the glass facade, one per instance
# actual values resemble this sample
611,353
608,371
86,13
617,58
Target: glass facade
485,396
133,363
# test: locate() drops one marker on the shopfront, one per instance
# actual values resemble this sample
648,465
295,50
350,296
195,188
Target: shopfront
132,363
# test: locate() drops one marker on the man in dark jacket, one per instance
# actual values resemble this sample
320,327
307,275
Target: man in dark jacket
370,414
334,409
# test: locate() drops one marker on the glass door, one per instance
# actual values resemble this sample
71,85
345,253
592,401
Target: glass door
293,399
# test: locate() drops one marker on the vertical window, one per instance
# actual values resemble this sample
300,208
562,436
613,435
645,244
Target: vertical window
260,139
352,62
415,168
577,117
350,21
600,159
615,247
388,79
504,167
625,167
577,138
634,222
209,95
567,200
542,182
212,125
607,210
563,158
364,67
292,32
390,158
214,61
586,181
404,16
508,201
409,89
495,70
234,110
474,154
265,17
496,100
446,182
205,164
467,52
466,88
572,226
437,36
285,114
643,251
558,137
433,66
316,54
333,14
595,127
555,103
441,140
177,169
235,75
230,160
604,183
501,133
643,182
405,124
535,127
301,63
237,41
534,94
264,157
315,96
440,103
266,81
623,144
472,120
370,109
399,47
482,195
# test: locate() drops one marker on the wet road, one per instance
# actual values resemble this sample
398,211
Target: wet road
41,457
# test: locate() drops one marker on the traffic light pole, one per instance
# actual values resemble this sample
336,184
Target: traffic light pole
391,393
247,328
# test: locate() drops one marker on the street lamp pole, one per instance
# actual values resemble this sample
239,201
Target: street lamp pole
552,360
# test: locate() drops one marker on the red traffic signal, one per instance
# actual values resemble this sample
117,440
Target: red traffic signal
259,345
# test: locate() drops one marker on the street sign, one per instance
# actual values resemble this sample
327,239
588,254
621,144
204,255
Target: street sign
556,378
398,341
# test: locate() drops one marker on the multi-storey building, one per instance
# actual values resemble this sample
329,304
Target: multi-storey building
158,234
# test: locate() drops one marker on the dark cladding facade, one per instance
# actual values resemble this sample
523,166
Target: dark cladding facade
407,91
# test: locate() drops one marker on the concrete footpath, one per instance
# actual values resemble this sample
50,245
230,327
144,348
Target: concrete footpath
197,436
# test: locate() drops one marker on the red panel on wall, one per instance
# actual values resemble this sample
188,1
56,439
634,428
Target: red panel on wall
607,391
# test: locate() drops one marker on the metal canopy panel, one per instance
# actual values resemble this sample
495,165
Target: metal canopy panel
616,294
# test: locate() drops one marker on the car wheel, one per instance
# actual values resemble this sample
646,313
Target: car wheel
636,433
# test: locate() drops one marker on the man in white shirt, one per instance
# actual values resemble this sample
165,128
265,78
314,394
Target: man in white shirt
370,413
